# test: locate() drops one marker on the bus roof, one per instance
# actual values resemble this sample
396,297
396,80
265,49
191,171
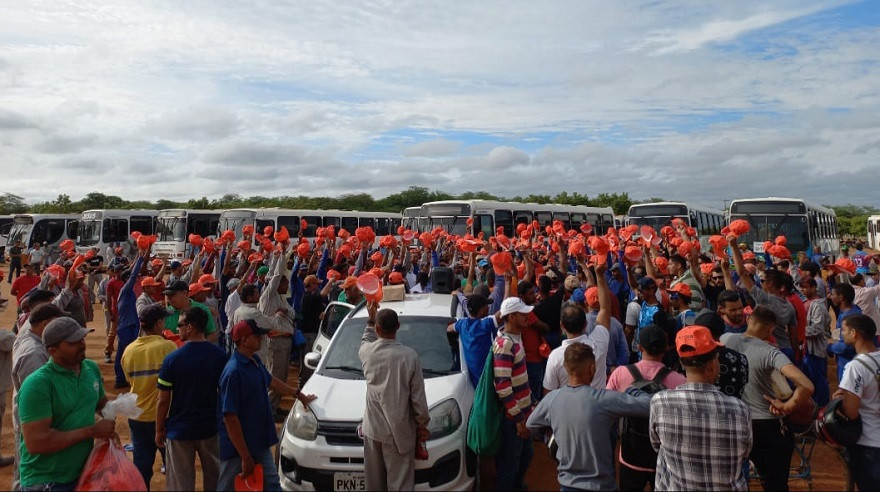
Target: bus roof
47,216
813,206
698,208
122,211
319,211
553,207
190,211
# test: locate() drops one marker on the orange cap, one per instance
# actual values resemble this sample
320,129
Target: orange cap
150,282
350,281
682,289
207,279
196,287
695,340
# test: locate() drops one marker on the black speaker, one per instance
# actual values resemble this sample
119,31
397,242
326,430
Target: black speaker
442,279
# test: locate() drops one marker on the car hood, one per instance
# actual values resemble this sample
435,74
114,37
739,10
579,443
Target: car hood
345,399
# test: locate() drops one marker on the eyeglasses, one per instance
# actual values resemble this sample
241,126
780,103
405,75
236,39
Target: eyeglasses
717,278
673,295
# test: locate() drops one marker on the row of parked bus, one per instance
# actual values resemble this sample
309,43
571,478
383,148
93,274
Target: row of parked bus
806,225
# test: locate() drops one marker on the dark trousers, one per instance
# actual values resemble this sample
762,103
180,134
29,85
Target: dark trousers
143,439
816,368
125,335
14,266
864,466
630,479
513,459
535,370
771,453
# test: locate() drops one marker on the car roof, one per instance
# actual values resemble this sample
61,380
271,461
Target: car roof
416,305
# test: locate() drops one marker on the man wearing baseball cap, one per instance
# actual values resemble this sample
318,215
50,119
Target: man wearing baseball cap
246,425
56,406
150,288
177,297
702,436
476,333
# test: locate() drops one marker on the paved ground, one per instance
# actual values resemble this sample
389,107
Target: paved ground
828,471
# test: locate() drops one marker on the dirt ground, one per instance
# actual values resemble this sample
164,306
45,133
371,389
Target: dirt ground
828,471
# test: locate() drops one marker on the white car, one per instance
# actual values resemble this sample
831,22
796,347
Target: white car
320,446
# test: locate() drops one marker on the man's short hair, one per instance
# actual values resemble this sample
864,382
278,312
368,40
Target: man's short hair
773,277
863,324
524,287
811,267
728,296
573,319
387,320
197,317
845,290
764,315
45,312
682,262
699,360
713,322
578,355
247,291
856,279
39,296
810,281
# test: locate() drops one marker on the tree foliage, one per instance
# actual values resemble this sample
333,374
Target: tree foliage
853,219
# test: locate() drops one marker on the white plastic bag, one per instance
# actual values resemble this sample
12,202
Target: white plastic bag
125,405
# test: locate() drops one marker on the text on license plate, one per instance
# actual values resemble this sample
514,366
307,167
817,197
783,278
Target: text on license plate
349,481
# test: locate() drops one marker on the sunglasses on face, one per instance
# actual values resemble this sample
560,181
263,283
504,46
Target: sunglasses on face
673,295
717,278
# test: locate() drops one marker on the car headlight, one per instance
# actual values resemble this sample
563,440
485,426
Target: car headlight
445,419
302,423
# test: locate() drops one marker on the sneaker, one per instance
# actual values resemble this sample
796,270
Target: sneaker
107,359
163,469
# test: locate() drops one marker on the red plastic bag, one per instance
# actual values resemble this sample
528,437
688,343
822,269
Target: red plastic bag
253,482
108,468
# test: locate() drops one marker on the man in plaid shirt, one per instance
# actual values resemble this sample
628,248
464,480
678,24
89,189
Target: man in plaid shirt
702,436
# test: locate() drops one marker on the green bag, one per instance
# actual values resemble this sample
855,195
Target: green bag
484,423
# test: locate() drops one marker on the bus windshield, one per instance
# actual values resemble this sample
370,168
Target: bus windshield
452,225
655,222
172,228
768,227
19,232
89,233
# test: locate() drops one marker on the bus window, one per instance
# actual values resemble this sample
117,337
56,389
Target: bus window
544,218
202,225
503,218
522,217
142,224
312,224
291,222
72,228
483,223
351,223
563,216
262,223
332,221
382,227
115,230
47,231
367,222
577,220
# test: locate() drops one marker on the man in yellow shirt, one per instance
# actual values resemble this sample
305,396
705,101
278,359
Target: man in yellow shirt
141,362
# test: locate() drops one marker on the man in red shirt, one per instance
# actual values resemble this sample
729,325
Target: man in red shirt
23,284
532,338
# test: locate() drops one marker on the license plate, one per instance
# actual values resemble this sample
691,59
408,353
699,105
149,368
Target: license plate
349,481
757,247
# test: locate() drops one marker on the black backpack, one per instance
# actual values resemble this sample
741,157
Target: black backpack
635,442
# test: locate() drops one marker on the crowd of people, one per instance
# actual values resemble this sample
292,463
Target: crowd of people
689,366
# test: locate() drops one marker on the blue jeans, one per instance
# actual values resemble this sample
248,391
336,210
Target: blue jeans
535,370
864,466
50,486
842,361
125,335
143,439
789,352
816,368
229,469
513,459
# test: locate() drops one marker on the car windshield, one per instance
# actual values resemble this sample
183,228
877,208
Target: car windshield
437,352
172,228
89,233
768,227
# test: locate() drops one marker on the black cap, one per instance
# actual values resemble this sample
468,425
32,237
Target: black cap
151,314
176,286
647,283
713,322
475,302
652,338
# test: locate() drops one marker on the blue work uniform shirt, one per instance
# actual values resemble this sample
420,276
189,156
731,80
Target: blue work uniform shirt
244,387
476,337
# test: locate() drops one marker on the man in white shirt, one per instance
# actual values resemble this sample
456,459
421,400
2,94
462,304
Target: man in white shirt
573,321
37,255
866,298
861,398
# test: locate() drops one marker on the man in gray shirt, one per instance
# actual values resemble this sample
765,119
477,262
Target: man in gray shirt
581,418
772,445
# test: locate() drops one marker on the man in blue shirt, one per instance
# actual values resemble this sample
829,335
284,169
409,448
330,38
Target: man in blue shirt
247,426
842,296
186,412
476,334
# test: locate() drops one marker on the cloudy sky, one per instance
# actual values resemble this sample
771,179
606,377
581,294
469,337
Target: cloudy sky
699,101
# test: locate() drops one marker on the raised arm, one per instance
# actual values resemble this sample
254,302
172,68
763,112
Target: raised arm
603,318
744,275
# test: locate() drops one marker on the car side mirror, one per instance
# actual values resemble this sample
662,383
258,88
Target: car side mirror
312,359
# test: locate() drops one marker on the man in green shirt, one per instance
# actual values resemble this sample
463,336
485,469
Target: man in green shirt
57,405
177,295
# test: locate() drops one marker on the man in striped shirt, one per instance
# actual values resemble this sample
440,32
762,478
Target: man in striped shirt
512,386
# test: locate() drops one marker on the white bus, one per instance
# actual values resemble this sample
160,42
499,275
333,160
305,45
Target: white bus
804,225
489,215
411,217
101,228
173,227
657,215
48,229
235,219
874,232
